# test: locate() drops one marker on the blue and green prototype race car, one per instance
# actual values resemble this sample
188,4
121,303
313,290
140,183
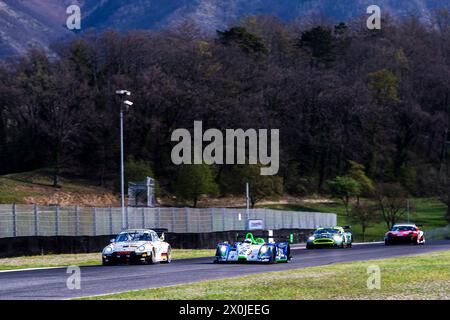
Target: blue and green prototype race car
253,250
339,237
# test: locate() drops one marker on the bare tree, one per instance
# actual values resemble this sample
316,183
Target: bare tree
365,215
391,200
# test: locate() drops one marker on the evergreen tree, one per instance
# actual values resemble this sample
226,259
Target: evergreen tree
195,181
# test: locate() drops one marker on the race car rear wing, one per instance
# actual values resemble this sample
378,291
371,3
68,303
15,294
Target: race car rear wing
161,231
242,236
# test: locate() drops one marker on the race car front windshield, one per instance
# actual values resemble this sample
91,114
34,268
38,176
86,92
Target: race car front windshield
322,231
133,237
403,228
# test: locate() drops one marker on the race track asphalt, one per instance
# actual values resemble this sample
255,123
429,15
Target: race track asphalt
50,284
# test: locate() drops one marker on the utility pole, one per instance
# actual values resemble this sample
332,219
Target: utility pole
407,206
446,179
443,155
247,200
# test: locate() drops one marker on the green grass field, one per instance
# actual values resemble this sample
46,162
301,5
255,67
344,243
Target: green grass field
83,259
428,211
415,277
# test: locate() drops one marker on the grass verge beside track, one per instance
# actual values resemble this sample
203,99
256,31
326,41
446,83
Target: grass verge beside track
430,212
425,276
82,259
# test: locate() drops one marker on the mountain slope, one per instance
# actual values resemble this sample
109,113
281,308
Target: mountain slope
218,14
27,22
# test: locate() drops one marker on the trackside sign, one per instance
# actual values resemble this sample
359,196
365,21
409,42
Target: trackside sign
255,224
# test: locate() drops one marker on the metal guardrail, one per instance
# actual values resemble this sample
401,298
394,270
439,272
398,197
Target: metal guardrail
33,220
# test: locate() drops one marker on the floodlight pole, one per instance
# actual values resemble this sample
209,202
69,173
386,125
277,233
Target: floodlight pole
122,170
123,94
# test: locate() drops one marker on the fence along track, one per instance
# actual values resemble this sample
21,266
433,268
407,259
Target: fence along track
31,220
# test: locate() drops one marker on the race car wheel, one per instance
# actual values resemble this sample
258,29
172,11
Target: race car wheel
416,241
273,256
149,258
152,258
169,256
309,246
104,263
387,243
288,251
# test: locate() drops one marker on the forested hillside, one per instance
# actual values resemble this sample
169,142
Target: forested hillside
380,98
24,23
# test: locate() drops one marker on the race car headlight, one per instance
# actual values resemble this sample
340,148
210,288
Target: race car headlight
141,249
108,250
337,238
264,249
312,238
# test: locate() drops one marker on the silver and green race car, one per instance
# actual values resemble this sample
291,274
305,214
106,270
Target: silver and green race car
340,237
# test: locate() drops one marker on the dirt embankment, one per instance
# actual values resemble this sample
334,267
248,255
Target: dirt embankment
36,188
234,202
70,199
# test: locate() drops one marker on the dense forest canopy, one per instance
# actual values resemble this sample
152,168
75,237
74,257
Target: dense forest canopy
338,93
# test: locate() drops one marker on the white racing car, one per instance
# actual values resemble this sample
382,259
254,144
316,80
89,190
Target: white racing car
138,246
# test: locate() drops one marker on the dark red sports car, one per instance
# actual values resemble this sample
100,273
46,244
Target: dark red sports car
404,233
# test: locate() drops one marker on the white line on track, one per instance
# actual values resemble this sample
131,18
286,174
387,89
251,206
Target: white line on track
31,269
